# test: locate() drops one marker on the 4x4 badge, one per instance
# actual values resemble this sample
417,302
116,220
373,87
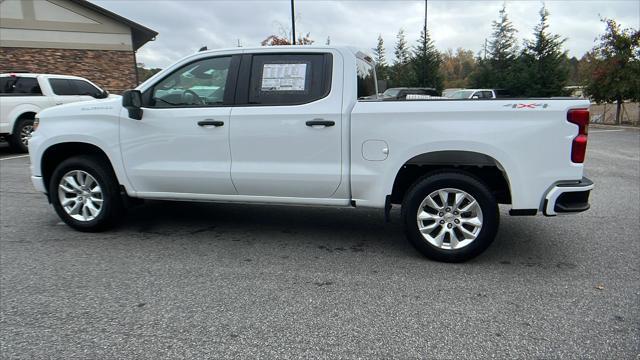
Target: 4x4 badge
526,106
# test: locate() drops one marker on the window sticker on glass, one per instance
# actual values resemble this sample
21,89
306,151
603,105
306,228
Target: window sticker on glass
284,77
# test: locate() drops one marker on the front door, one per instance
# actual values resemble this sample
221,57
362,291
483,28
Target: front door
286,128
180,148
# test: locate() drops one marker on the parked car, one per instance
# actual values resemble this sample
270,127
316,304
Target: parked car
473,94
401,93
289,129
23,95
479,94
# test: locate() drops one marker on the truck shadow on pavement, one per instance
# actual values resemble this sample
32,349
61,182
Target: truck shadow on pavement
520,241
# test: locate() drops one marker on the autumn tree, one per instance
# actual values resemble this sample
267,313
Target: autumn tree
426,63
542,70
456,68
144,73
614,66
275,40
379,54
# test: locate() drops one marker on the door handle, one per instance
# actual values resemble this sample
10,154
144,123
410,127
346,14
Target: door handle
210,122
320,122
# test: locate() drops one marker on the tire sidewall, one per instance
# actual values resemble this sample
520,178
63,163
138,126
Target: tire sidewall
461,181
109,191
16,142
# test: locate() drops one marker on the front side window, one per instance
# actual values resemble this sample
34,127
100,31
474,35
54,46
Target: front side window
85,88
201,83
20,86
61,87
366,79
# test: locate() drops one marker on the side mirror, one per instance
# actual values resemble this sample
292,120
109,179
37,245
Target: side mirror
132,101
475,97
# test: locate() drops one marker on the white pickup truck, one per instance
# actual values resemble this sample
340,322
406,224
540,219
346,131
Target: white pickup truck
22,96
285,125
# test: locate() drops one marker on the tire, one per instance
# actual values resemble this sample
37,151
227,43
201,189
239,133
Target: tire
22,129
106,199
456,236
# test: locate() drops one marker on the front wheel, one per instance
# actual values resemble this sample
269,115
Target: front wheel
450,216
19,140
85,194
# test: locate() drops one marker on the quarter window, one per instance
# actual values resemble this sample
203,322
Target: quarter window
201,83
366,79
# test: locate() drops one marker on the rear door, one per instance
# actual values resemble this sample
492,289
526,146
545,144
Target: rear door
286,127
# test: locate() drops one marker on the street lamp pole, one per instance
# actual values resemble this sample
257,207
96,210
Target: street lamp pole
293,23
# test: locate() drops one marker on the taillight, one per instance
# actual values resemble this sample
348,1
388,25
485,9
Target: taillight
579,117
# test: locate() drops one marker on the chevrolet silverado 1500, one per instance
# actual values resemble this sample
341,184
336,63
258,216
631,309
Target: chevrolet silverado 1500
291,125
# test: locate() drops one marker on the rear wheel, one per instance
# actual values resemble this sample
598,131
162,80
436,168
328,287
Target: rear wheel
19,140
85,194
450,216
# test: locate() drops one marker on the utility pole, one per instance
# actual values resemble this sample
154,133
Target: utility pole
426,2
293,23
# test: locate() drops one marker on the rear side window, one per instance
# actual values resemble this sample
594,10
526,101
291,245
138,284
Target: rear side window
20,86
366,79
62,87
289,79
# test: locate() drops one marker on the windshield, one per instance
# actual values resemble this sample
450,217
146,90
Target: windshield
391,92
463,94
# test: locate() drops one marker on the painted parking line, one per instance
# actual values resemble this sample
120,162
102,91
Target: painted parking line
14,157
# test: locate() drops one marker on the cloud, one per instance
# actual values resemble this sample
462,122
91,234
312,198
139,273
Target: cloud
185,26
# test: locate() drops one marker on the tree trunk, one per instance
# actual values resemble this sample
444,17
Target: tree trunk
618,107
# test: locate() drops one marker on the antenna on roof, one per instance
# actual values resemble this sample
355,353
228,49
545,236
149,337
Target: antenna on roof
204,48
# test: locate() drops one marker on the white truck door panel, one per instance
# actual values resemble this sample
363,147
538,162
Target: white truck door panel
168,152
276,149
181,144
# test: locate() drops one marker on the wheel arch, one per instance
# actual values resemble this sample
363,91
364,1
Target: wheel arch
481,165
57,153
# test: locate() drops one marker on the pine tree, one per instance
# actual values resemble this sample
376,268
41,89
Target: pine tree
426,63
380,58
544,71
403,56
496,71
402,71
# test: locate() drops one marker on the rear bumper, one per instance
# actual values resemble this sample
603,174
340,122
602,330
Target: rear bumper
568,197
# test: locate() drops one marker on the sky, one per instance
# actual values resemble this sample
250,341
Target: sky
186,25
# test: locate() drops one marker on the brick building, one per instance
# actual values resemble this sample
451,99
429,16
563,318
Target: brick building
71,37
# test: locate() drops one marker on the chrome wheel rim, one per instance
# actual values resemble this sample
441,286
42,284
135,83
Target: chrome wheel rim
25,134
449,219
80,195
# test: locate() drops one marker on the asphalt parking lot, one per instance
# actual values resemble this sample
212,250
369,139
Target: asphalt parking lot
244,281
